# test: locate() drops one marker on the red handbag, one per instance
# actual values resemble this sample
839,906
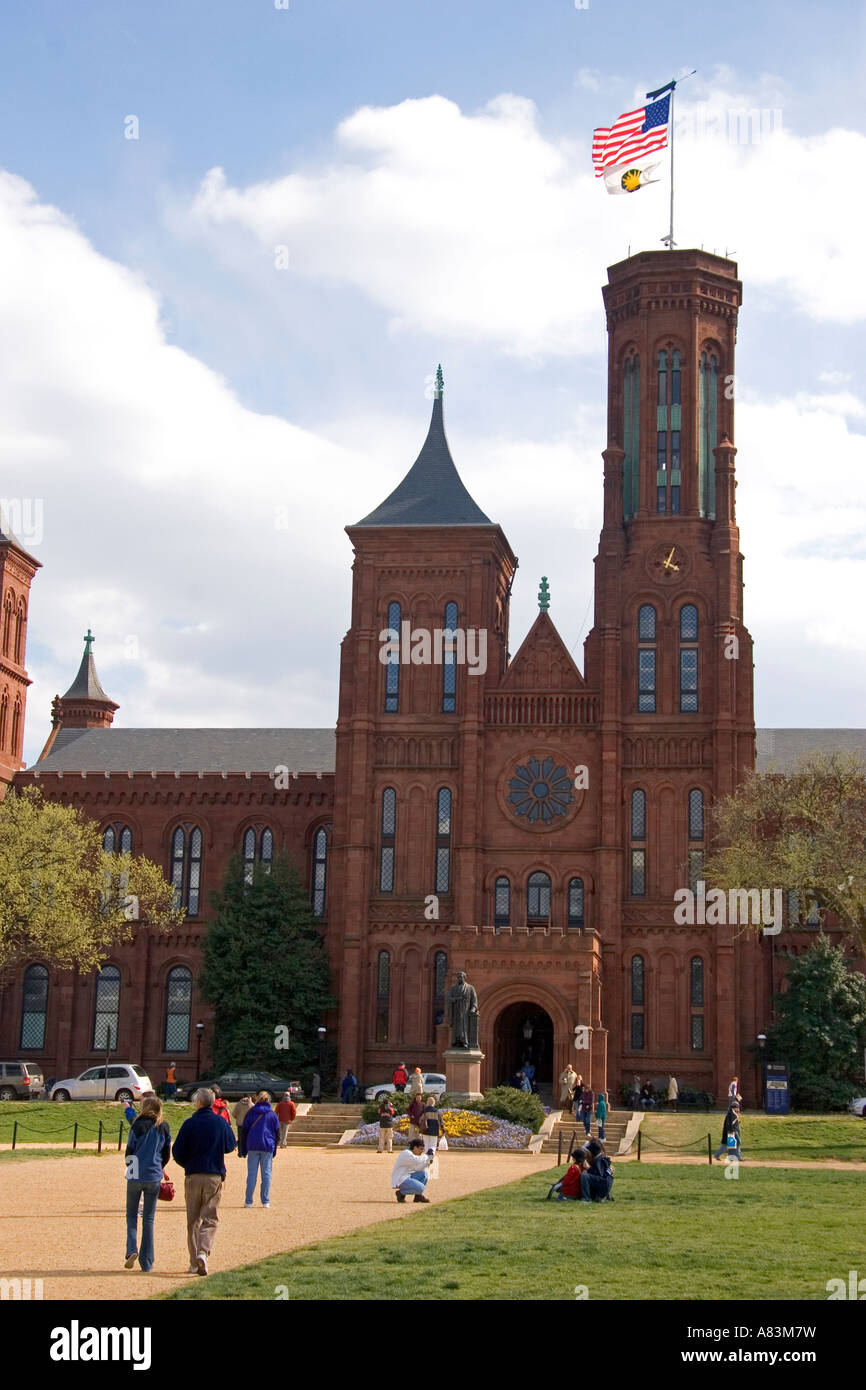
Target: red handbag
166,1189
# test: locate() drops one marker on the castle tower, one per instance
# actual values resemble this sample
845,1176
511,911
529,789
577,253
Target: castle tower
17,569
672,660
85,704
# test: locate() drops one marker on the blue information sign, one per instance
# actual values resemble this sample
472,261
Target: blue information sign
776,1097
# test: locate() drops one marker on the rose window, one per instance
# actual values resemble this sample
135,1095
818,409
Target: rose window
541,791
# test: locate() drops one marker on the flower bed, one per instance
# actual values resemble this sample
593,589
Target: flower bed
464,1129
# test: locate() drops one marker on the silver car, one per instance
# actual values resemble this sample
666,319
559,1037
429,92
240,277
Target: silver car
122,1082
434,1085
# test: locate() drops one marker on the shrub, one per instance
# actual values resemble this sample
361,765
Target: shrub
507,1103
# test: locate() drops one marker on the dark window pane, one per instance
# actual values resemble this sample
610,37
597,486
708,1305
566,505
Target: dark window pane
107,1006
34,1007
178,1007
449,660
638,815
637,1033
443,811
637,980
688,680
688,623
108,840
696,988
383,996
646,680
646,623
696,867
443,870
696,815
675,500
638,873
697,1032
575,902
502,903
389,811
661,499
538,896
386,875
392,670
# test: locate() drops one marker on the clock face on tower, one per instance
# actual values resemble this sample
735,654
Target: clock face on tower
667,562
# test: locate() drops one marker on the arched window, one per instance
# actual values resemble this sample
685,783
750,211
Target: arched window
638,1004
20,620
688,659
389,831
34,1008
708,433
538,897
646,659
249,854
631,437
178,1009
392,668
107,1010
108,839
696,1001
383,996
637,853
575,902
668,433
696,833
186,868
125,840
443,840
117,839
257,849
4,717
449,660
267,848
8,610
440,980
502,903
15,741
320,870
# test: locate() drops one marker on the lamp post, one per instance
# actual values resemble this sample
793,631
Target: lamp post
321,1032
107,1055
199,1030
762,1043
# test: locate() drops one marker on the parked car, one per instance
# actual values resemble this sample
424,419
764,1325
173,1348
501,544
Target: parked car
20,1081
434,1085
235,1084
858,1106
123,1082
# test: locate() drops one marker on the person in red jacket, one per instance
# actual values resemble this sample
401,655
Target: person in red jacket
285,1111
568,1188
400,1077
219,1106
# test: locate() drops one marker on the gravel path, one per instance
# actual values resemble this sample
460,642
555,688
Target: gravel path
62,1220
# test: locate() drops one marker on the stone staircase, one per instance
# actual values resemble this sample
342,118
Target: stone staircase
323,1124
617,1122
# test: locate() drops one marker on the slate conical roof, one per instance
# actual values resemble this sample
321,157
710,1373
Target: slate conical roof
432,492
86,685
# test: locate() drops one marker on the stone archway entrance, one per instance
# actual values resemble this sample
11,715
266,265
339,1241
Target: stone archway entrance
522,1032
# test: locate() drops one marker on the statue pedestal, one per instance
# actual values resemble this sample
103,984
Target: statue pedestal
463,1073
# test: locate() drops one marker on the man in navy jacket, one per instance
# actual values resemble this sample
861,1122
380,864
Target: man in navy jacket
200,1148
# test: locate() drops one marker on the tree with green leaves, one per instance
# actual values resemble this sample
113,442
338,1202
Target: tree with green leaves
63,898
820,1027
266,970
802,831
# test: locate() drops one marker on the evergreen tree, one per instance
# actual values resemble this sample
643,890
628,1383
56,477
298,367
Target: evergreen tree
265,971
820,1029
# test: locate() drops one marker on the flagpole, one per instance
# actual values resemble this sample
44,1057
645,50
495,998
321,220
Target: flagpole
671,236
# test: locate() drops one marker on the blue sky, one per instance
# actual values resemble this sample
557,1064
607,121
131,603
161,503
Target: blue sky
427,169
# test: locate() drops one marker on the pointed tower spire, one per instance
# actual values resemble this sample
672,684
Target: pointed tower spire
85,704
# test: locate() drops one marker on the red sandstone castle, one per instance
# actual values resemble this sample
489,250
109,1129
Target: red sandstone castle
528,823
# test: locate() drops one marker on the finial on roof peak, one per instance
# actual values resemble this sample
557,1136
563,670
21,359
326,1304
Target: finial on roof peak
88,642
543,595
440,382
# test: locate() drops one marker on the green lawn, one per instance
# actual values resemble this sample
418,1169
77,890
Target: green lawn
763,1136
671,1233
52,1123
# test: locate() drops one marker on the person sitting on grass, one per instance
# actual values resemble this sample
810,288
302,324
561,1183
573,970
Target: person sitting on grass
568,1187
409,1174
597,1181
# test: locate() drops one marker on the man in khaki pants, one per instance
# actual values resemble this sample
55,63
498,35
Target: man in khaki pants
200,1148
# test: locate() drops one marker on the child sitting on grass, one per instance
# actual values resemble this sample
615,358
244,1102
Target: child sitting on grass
568,1187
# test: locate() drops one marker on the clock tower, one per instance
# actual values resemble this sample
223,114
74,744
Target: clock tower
672,660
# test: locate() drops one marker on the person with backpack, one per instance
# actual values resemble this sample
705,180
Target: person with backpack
586,1100
148,1150
259,1135
400,1077
597,1181
386,1126
601,1113
220,1107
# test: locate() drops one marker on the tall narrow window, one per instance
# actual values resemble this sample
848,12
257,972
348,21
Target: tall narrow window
708,433
696,1000
186,851
34,1008
449,660
249,854
178,854
575,902
538,897
502,903
688,659
392,669
178,1009
320,871
20,621
107,1010
7,624
125,840
108,840
637,854
383,996
15,741
638,1004
194,876
668,432
4,717
696,814
646,659
389,830
440,981
443,840
631,438
267,849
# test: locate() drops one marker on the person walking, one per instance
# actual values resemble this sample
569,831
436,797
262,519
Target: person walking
566,1088
285,1111
432,1130
316,1089
148,1150
200,1148
386,1125
416,1083
219,1105
259,1135
673,1092
347,1087
170,1082
734,1091
731,1130
635,1094
416,1110
586,1099
239,1114
601,1113
400,1076
409,1174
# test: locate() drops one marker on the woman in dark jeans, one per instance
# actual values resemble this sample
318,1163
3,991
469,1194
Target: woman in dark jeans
148,1150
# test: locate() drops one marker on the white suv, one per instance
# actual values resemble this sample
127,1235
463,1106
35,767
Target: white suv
123,1082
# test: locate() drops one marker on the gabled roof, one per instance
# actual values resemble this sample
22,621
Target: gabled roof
190,750
543,661
432,492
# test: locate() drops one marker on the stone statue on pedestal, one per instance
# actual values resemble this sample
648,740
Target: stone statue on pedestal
463,1013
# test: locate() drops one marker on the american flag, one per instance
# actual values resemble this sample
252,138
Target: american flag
633,135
